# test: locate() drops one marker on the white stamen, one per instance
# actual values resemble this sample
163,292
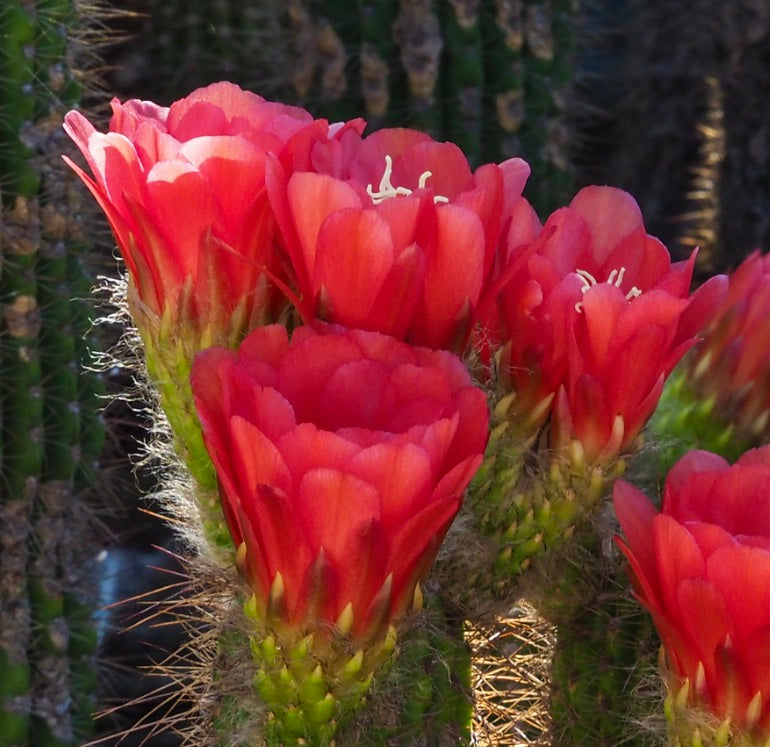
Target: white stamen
614,278
386,190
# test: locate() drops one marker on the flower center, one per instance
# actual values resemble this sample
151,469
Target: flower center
614,278
387,190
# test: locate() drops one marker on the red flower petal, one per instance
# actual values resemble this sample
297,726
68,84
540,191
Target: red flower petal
354,256
403,475
611,214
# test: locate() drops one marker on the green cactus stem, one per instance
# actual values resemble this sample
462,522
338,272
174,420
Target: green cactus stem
604,671
47,639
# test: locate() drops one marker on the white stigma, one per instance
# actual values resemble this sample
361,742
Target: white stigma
386,190
614,278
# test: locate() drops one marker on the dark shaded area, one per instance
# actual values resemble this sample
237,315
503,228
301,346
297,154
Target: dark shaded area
670,103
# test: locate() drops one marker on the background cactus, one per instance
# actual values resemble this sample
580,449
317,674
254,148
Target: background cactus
660,109
51,434
490,75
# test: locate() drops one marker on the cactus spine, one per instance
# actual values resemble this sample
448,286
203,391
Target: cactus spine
51,434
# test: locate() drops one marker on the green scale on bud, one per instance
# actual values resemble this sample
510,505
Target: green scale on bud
692,726
684,420
525,504
311,681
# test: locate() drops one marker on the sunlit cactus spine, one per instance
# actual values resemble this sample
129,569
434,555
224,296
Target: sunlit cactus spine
51,433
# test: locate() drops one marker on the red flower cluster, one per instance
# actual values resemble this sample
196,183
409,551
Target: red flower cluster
702,568
343,457
347,445
184,191
595,319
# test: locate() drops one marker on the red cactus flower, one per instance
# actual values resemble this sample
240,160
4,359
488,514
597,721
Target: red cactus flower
415,231
702,568
732,364
597,318
183,189
342,458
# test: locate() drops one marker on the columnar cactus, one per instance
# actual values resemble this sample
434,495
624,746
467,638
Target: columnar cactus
50,433
490,75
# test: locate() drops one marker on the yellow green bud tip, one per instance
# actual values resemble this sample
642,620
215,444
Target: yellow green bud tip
353,666
286,680
417,600
323,711
754,710
697,739
269,648
300,651
682,695
722,735
576,454
277,592
250,607
704,364
497,432
344,622
668,708
502,407
540,409
240,555
700,680
390,639
761,422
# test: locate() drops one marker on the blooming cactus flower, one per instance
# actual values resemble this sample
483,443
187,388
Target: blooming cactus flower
415,231
183,189
701,566
597,318
732,364
342,458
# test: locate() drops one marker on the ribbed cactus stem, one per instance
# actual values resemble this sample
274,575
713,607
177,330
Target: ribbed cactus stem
417,32
16,629
17,77
90,387
550,41
48,637
604,682
424,696
464,84
59,361
379,77
22,455
503,94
